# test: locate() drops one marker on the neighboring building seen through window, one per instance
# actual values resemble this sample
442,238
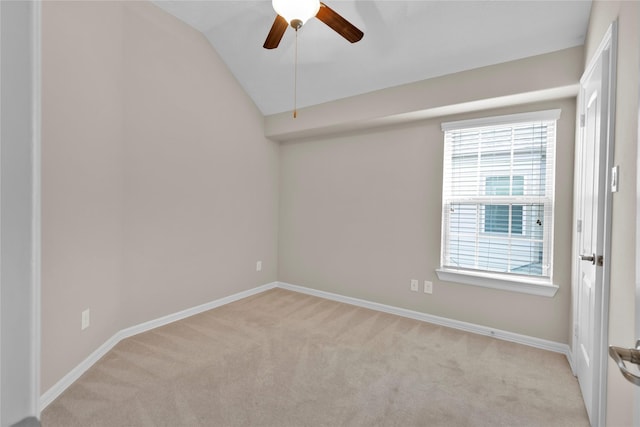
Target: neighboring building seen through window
498,195
503,218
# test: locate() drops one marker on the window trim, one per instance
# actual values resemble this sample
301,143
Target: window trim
502,120
525,285
541,286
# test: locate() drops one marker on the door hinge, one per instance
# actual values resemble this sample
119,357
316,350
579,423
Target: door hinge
582,120
579,226
575,330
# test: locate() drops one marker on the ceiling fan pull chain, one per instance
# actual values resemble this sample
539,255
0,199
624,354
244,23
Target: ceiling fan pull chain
295,79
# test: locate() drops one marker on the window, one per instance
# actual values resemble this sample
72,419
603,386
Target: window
497,218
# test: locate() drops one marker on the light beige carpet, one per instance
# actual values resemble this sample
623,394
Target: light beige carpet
287,359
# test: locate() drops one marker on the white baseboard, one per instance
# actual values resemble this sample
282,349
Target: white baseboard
570,359
57,389
437,320
165,320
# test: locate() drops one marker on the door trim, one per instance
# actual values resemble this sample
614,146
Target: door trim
31,290
601,333
36,213
636,401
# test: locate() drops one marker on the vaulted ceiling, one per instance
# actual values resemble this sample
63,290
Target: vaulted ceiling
404,42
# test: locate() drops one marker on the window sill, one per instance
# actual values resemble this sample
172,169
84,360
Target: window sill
497,281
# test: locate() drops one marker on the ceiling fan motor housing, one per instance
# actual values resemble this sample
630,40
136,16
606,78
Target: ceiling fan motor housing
296,23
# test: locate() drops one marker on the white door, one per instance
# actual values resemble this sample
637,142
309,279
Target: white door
589,195
591,234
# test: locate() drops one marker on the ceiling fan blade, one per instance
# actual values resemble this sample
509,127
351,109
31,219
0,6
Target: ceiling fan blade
340,25
275,34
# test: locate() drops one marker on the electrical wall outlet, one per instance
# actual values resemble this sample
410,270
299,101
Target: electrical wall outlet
414,285
86,320
428,287
259,266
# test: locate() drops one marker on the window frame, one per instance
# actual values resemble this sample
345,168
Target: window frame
530,284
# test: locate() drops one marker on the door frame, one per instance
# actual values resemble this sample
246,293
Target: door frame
598,403
32,281
636,401
36,203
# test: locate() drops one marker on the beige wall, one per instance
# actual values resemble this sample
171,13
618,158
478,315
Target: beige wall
159,188
623,266
201,192
360,215
82,180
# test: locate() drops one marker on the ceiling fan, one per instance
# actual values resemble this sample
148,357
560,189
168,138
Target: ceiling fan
297,12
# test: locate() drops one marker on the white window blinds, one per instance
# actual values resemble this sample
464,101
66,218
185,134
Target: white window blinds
498,190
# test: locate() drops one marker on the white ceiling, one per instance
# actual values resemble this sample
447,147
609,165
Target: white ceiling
404,41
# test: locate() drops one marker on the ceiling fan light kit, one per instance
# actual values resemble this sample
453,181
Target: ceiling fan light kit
296,12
